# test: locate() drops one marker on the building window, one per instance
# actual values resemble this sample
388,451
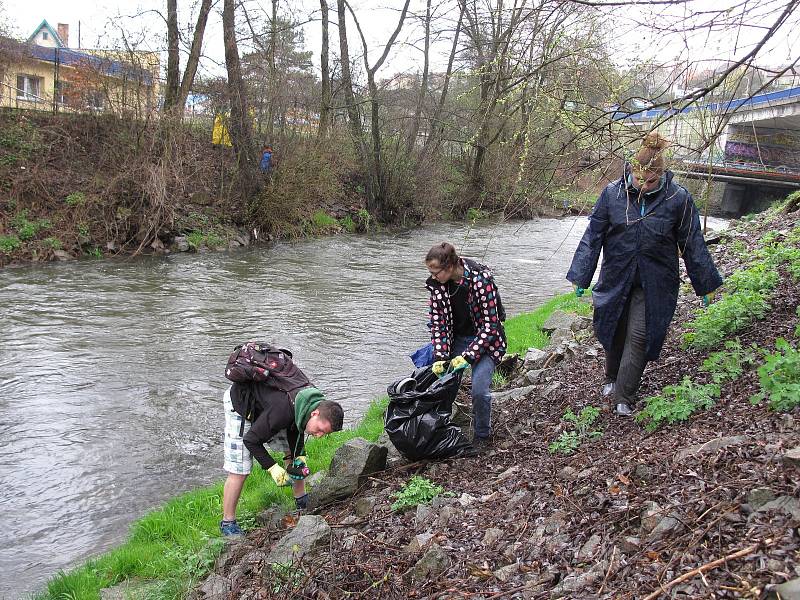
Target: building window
44,35
28,87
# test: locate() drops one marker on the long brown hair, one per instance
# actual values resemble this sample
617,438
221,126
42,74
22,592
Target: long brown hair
444,253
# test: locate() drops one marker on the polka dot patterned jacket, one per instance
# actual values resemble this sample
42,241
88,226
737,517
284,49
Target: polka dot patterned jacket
482,299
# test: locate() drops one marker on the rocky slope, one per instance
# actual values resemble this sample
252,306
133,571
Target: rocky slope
707,508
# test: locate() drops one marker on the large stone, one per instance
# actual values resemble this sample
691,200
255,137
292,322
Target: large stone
215,587
534,359
432,564
513,394
561,337
364,506
792,457
353,462
491,536
560,320
181,243
575,583
505,573
710,447
63,255
310,531
272,517
651,515
785,504
758,497
786,591
418,542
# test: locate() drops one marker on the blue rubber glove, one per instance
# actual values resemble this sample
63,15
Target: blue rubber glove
706,301
459,363
579,291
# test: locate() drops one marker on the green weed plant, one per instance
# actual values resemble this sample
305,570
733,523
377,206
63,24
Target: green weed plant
27,229
418,490
677,403
582,430
729,364
779,378
75,199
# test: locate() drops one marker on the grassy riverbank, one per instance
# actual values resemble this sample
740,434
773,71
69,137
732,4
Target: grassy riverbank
175,546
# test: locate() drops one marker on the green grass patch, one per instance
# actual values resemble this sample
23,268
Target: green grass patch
75,199
176,545
321,223
525,331
348,224
27,229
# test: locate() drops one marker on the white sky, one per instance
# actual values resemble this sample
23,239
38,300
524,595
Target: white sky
96,19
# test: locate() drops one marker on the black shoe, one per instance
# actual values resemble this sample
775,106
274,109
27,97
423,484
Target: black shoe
481,444
623,409
608,388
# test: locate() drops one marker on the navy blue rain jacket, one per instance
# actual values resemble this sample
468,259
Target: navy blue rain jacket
650,243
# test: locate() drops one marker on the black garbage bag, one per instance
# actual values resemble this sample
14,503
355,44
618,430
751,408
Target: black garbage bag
418,417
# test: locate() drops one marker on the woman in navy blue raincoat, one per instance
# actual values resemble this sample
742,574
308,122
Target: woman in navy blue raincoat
643,222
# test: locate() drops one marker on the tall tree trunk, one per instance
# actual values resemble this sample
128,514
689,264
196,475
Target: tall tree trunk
436,129
325,105
347,80
194,55
173,56
423,88
272,82
239,123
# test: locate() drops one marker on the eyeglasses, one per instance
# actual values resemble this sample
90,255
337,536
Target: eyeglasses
435,274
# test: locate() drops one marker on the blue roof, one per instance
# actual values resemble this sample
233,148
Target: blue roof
725,106
106,66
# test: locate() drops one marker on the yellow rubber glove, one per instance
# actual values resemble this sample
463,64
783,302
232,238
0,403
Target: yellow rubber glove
300,460
459,363
439,367
279,475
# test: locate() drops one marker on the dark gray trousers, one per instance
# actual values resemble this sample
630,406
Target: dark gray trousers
625,360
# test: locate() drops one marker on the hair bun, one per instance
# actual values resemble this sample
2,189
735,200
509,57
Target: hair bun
655,140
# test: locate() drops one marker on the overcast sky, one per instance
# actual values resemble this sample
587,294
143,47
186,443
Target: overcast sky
140,20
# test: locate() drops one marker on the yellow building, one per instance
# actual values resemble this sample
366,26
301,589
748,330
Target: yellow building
44,73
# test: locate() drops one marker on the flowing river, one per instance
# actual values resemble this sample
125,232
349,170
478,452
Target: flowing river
111,372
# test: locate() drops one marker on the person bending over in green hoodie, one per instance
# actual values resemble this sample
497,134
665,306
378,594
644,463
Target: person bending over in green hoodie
279,419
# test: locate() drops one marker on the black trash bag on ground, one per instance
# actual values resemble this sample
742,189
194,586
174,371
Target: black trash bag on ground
418,417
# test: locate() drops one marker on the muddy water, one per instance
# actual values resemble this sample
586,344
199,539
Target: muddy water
111,372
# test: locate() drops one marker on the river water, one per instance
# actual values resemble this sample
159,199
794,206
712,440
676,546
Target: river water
111,372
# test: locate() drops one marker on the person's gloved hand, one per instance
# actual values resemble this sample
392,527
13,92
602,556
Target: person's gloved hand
279,475
301,503
459,363
439,367
298,471
708,299
578,291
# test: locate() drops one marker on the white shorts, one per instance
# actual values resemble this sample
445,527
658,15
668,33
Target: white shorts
238,459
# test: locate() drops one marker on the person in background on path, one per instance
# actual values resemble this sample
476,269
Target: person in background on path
279,419
642,222
465,320
265,165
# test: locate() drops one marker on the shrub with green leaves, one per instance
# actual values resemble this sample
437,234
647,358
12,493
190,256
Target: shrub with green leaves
779,378
730,363
569,441
27,229
677,403
348,224
9,243
418,490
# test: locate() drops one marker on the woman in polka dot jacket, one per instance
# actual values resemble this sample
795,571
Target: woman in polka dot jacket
465,319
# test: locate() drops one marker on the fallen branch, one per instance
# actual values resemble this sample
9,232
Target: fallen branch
700,570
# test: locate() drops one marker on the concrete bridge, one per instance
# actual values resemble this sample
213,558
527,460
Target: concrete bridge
739,155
